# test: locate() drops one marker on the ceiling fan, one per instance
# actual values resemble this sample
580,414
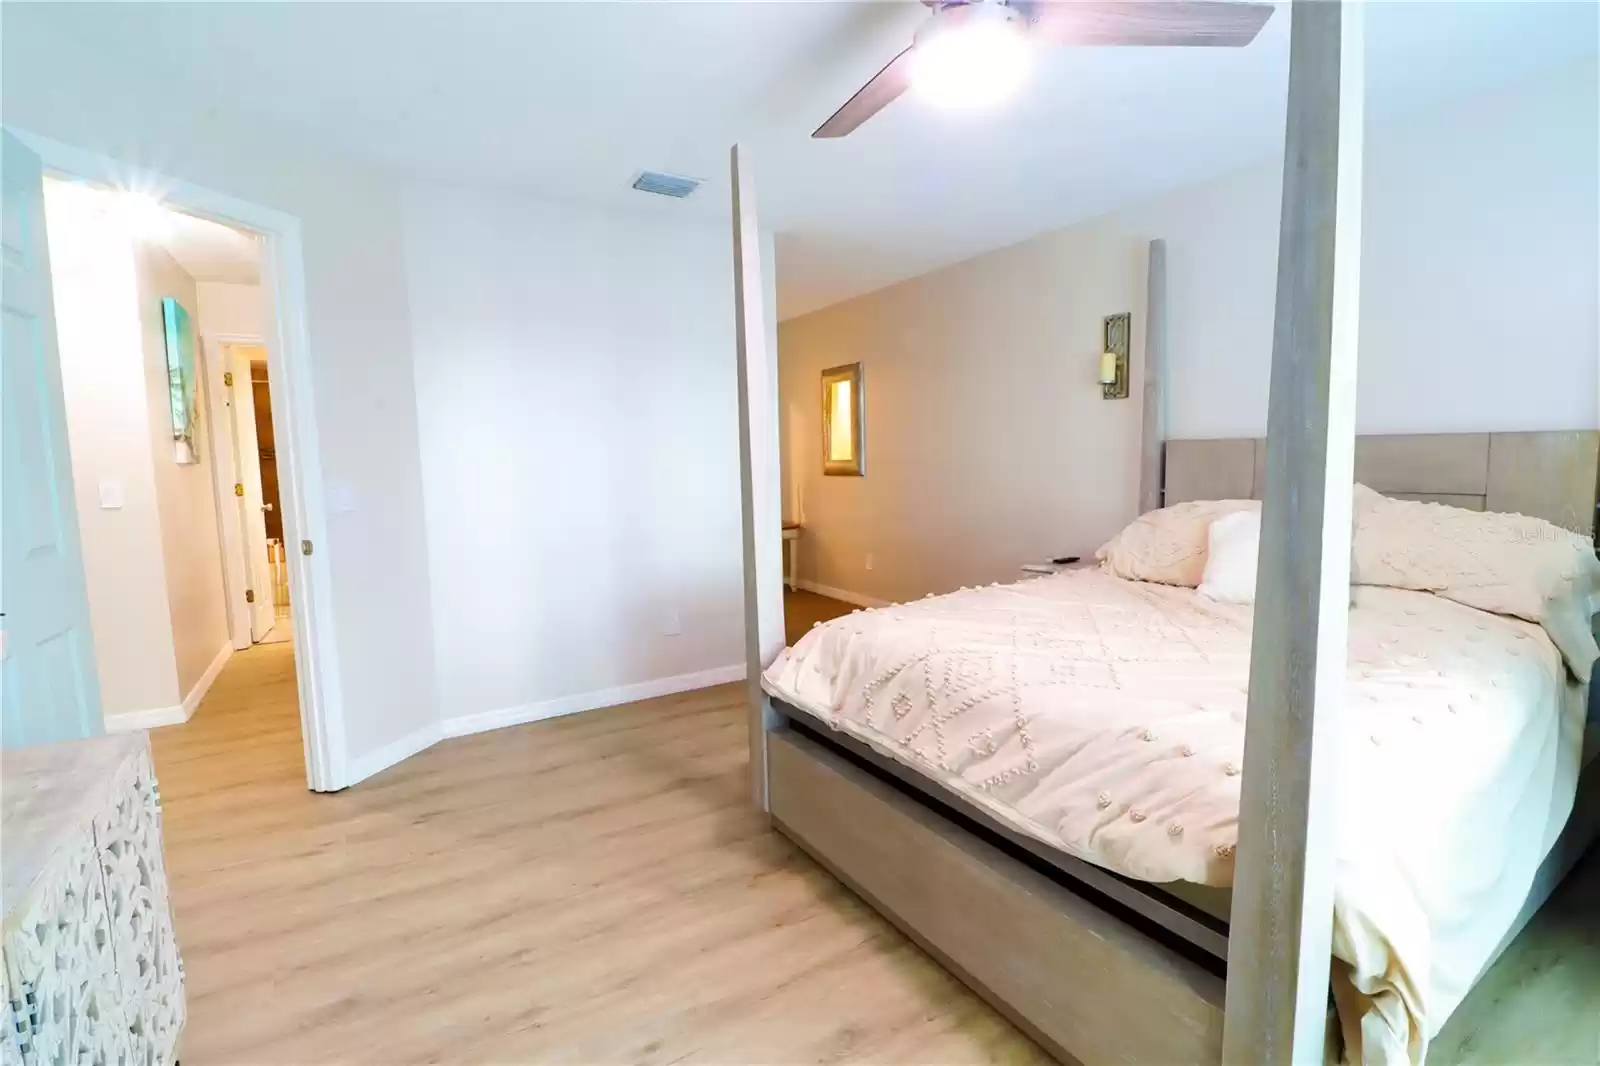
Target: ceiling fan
974,52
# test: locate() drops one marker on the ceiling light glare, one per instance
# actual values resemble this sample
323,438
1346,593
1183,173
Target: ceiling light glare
971,57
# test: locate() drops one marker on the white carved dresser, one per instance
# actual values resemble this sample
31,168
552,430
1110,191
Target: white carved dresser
91,972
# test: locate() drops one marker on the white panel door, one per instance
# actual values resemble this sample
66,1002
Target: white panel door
48,685
247,458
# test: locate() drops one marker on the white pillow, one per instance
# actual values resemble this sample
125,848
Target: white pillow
1233,542
1169,545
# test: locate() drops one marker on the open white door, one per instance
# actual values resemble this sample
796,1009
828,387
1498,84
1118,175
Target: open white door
247,474
48,686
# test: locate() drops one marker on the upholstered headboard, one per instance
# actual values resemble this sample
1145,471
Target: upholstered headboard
1552,475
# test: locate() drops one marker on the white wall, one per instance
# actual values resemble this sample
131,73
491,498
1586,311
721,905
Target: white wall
359,335
185,494
987,444
1480,269
579,440
231,307
109,433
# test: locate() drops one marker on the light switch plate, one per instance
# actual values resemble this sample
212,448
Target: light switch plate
111,496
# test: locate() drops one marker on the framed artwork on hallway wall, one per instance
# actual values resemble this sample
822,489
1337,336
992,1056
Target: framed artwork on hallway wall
181,378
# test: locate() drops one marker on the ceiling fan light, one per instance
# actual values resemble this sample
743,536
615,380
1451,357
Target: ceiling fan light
975,62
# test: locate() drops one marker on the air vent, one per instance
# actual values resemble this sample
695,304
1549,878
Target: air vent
674,185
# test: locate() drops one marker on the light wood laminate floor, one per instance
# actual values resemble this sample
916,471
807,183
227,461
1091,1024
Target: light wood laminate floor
595,889
591,889
1539,1005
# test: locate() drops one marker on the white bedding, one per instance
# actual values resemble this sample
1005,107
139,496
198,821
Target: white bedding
1106,718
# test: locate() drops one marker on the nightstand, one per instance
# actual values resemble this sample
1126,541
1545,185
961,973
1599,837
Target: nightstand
1046,569
791,548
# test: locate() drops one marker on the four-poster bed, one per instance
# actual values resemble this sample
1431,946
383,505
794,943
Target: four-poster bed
1155,674
1101,966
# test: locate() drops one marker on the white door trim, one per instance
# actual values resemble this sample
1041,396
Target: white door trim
299,454
239,554
235,578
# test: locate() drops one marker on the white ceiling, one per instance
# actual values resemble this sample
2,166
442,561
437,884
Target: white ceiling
210,251
571,100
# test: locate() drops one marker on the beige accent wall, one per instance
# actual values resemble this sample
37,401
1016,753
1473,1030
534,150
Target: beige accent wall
988,444
190,542
108,433
151,545
231,307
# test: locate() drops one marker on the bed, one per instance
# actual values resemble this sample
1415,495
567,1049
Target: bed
1101,967
1039,782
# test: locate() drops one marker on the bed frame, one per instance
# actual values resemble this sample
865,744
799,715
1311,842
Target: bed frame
1094,967
1075,955
1098,968
1551,475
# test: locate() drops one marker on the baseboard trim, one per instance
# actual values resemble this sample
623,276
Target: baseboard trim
462,725
362,767
191,702
843,595
156,717
466,724
150,718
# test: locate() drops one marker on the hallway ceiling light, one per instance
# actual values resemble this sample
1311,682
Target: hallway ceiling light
144,215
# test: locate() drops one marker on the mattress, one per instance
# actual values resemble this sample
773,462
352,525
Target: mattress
1106,718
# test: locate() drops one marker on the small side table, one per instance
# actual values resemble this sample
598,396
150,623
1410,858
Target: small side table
1030,570
791,548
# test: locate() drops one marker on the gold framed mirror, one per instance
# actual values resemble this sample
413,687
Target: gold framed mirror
844,420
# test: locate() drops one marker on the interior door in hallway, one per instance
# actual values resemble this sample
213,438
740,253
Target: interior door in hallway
247,476
48,686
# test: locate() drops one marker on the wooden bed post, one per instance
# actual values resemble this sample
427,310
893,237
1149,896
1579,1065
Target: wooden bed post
761,503
1280,948
1153,427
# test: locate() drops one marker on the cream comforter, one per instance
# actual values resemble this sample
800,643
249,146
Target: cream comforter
1106,717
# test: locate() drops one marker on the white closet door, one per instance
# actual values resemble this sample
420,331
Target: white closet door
48,686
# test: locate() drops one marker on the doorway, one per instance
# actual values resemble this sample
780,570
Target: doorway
163,447
160,405
250,452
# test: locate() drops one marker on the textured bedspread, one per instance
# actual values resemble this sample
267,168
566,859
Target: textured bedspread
1106,717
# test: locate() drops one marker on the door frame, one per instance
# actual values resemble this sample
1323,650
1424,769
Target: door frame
224,466
300,467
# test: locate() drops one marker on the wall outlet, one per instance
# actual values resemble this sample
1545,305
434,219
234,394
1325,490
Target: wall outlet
870,562
672,624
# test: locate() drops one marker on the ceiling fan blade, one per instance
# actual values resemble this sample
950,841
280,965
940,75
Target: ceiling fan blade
1217,23
877,94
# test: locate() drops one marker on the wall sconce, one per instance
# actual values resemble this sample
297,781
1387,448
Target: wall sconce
1114,357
